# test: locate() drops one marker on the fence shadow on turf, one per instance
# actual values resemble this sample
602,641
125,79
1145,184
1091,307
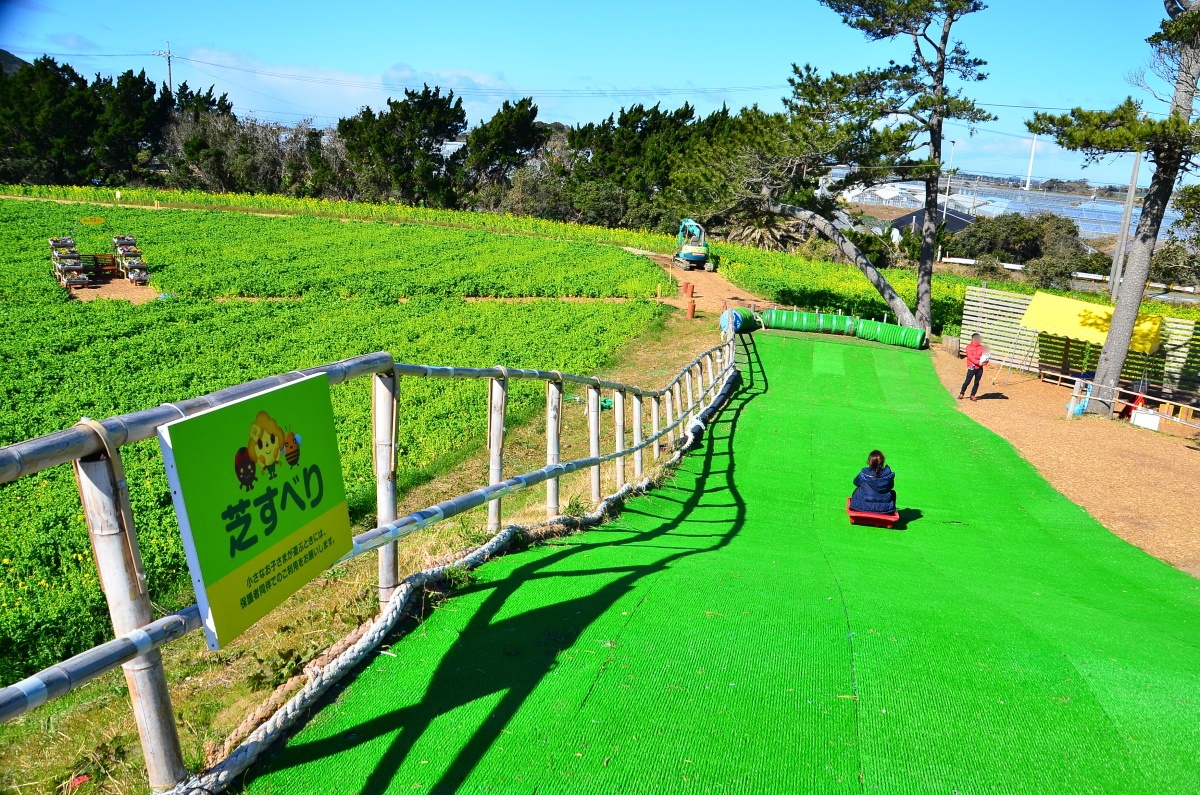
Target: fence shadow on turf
536,637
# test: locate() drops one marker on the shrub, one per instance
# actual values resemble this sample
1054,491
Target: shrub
1051,272
988,267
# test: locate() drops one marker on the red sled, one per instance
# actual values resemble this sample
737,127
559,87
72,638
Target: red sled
888,520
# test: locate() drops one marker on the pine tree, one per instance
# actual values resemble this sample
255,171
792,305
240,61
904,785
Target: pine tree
1171,145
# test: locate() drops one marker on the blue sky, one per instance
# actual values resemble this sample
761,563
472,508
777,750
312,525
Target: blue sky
581,62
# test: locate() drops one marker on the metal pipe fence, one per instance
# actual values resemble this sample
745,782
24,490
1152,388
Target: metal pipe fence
94,450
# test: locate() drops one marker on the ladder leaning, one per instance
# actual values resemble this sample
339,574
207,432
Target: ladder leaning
1027,355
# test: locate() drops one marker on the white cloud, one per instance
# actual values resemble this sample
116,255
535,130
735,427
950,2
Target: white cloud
73,42
296,90
291,91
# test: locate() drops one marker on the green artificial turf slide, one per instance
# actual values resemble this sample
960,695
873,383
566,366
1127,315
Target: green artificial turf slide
732,633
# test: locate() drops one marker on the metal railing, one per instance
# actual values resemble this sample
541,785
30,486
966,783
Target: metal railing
1084,391
93,448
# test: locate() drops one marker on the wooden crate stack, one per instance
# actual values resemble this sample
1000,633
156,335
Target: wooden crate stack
64,258
129,259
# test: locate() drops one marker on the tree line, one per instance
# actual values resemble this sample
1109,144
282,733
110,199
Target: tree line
57,127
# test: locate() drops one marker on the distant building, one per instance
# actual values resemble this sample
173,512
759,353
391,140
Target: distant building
956,221
890,195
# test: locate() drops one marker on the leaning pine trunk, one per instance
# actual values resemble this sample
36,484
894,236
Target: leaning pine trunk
904,315
1133,285
928,254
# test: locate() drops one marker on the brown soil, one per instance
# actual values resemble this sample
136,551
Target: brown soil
713,293
117,290
1105,245
884,212
533,299
1128,478
252,299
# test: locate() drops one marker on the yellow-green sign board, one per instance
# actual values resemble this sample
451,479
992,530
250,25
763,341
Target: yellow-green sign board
257,486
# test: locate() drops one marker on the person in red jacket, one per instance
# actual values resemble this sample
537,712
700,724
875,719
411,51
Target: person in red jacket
975,364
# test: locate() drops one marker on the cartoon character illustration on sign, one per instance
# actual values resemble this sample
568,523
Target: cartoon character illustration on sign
291,448
266,443
243,467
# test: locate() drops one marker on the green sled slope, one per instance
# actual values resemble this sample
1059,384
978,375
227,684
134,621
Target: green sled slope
732,633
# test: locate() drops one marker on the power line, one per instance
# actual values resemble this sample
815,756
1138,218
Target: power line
482,91
263,112
246,88
464,91
498,91
503,91
81,54
988,130
1048,107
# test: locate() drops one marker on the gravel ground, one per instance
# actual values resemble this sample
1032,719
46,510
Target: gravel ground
117,289
1137,483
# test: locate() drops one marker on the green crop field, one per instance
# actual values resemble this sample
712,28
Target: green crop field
61,359
394,213
777,276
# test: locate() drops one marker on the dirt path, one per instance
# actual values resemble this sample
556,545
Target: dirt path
713,292
117,290
1137,483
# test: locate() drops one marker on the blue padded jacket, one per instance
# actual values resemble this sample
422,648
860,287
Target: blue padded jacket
874,493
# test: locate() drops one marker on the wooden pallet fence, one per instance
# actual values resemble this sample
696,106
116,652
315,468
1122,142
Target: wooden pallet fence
1174,369
1181,352
996,315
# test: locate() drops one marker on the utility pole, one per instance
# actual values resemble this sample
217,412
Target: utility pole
1118,263
949,179
1032,150
167,54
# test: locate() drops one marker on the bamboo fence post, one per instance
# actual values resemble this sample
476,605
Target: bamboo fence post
105,498
554,393
619,434
691,404
654,426
1074,399
497,403
712,378
668,409
384,396
593,410
638,437
679,409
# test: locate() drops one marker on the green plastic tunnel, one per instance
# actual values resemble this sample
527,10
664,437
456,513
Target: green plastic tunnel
738,320
791,320
891,334
887,333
